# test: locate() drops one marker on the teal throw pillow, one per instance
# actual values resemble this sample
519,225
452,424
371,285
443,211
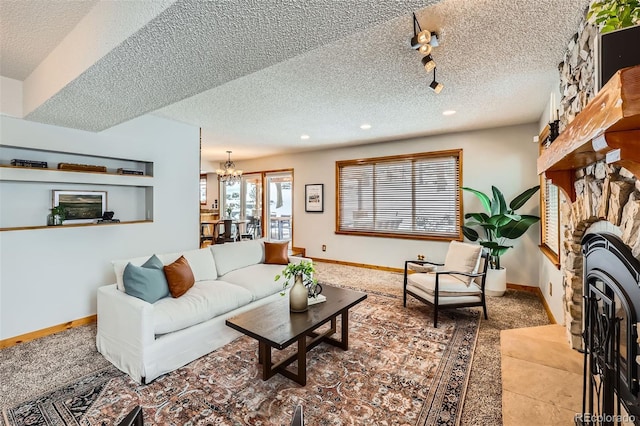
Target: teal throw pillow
146,282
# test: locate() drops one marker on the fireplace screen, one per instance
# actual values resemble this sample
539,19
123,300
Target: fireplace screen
611,313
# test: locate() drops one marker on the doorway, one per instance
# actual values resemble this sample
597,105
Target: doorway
279,205
262,203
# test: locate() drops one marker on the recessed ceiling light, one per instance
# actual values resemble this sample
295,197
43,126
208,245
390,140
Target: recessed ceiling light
365,126
448,112
304,137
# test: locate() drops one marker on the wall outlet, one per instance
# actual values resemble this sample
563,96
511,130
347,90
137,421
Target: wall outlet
324,247
550,288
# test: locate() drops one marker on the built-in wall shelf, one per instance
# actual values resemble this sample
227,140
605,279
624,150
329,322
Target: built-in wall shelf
74,225
28,174
27,192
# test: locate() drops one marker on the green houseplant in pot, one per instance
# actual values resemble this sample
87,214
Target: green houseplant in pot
57,216
303,284
616,45
611,15
498,224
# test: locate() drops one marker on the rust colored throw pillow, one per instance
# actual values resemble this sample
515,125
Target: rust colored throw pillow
179,276
276,253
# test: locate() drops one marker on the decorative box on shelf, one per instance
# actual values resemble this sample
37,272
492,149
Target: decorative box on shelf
82,167
122,171
29,163
108,221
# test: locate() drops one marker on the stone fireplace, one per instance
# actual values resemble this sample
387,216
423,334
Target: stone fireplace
607,200
596,162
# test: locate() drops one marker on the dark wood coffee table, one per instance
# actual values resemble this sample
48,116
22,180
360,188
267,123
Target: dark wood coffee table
273,326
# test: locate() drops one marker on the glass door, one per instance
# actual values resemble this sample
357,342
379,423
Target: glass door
230,201
279,206
252,204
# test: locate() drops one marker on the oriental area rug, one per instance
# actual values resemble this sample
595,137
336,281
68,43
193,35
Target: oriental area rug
399,370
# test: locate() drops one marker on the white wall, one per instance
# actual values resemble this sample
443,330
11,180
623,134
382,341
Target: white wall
504,157
11,97
50,276
550,275
551,278
213,189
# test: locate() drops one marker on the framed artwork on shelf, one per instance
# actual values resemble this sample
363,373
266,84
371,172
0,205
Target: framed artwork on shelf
314,198
81,206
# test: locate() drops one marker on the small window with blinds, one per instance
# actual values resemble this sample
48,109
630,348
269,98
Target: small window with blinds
408,196
550,221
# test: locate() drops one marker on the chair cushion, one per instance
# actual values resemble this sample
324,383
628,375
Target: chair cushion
146,282
420,268
257,279
447,286
445,300
463,257
203,301
179,276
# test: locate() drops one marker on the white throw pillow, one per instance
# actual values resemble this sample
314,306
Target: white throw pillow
463,257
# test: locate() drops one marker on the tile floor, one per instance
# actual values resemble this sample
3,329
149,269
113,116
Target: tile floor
541,377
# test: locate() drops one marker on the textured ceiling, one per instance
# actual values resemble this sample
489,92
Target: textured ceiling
30,29
255,75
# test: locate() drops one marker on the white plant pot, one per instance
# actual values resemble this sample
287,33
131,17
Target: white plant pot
496,283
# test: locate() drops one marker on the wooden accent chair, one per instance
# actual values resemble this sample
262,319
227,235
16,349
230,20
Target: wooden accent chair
460,283
298,417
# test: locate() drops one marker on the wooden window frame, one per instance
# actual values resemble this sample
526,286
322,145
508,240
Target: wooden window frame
405,157
544,248
203,176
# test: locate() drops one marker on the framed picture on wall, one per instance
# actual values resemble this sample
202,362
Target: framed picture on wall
314,197
81,206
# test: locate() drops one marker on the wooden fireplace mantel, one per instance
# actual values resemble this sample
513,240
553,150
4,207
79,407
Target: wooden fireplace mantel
607,128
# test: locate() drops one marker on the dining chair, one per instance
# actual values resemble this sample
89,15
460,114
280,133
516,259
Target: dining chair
227,235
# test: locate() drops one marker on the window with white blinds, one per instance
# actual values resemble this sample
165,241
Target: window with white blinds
412,196
550,232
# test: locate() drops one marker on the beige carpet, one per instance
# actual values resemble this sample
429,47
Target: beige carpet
32,368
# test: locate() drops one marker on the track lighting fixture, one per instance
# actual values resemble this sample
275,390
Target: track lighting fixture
424,41
435,86
429,63
425,49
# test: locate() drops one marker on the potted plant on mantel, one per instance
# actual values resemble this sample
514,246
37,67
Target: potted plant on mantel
499,225
303,286
611,15
617,46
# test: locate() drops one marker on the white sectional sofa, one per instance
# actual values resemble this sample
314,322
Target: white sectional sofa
147,340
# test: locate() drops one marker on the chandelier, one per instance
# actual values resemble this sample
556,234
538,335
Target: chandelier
230,175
